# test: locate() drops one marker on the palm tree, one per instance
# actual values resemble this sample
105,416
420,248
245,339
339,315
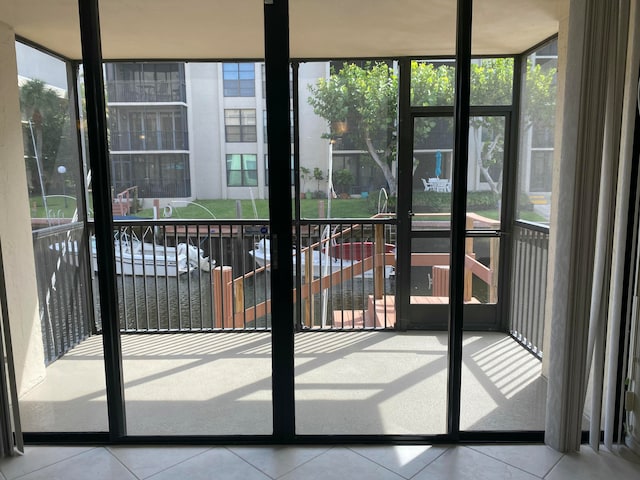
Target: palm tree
47,114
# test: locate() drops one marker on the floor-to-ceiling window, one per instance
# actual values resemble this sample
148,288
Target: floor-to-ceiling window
185,133
55,182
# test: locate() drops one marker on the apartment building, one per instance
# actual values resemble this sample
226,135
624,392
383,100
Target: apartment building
199,130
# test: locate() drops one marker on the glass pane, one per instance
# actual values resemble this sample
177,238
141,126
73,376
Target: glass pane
433,82
481,270
430,261
486,164
348,169
62,374
191,276
502,384
492,81
348,138
537,139
348,165
432,173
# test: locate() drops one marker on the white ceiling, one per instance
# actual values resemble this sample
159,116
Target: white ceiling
218,29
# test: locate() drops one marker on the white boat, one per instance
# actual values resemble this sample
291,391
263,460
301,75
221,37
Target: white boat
339,257
134,257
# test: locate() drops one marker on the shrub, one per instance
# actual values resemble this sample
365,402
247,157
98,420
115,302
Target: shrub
440,202
524,203
372,204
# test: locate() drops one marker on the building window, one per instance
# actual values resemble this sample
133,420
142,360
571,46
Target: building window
239,79
240,125
242,170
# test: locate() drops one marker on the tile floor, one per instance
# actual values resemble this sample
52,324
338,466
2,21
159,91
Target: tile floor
526,462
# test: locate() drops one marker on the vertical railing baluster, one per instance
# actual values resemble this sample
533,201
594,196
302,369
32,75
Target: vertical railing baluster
187,243
123,287
154,242
210,276
166,281
144,280
543,292
535,289
198,269
515,317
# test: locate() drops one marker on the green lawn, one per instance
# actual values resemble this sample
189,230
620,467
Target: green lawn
56,206
227,209
529,216
310,208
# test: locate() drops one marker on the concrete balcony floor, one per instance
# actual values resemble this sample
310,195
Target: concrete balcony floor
366,382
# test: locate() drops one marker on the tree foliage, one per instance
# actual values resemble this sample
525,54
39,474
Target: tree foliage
365,99
47,115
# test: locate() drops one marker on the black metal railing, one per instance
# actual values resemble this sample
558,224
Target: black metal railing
149,91
63,283
214,275
528,285
148,140
211,275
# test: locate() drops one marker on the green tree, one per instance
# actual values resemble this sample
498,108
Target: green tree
365,100
47,117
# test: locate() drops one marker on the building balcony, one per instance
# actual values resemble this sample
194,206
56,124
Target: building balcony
151,92
196,340
148,140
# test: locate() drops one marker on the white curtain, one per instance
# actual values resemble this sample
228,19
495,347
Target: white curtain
619,133
588,241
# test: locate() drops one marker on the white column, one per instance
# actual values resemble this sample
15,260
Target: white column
563,32
15,226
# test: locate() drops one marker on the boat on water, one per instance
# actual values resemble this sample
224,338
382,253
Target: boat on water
335,257
135,257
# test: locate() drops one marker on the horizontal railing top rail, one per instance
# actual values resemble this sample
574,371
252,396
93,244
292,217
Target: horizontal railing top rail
347,221
538,227
56,229
251,222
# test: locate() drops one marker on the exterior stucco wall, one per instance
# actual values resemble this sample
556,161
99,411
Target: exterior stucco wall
15,227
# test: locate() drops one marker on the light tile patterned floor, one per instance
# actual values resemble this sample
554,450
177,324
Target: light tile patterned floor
526,462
